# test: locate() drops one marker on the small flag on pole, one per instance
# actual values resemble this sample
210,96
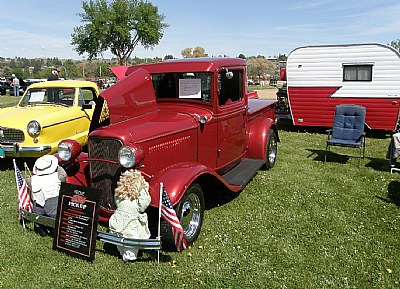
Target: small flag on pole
169,215
24,199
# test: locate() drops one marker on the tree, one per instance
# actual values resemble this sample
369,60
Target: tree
196,52
241,55
395,44
168,56
259,66
70,70
282,57
199,52
187,53
118,26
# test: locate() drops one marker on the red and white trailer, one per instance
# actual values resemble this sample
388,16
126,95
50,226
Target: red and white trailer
321,77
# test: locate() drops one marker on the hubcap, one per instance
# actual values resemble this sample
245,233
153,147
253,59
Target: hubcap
272,150
190,215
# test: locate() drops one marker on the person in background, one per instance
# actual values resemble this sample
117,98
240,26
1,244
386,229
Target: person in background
53,75
15,84
52,93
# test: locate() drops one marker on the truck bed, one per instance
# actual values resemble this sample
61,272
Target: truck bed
261,106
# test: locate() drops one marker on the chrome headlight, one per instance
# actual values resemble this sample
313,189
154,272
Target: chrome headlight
64,150
33,128
127,157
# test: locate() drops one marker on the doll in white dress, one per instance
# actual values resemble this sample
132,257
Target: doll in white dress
129,219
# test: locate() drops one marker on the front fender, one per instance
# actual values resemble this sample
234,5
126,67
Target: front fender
176,180
257,134
77,171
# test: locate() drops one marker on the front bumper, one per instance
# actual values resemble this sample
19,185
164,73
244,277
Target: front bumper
15,150
105,237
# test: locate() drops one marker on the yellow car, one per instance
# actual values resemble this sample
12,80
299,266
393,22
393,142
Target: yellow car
47,113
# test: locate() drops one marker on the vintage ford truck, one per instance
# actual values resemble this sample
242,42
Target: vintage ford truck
188,124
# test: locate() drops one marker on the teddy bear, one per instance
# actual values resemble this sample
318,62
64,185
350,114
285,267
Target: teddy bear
45,184
129,219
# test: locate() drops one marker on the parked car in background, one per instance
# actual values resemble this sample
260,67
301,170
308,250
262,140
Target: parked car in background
5,87
47,113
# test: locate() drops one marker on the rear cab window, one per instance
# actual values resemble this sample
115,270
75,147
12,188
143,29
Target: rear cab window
191,86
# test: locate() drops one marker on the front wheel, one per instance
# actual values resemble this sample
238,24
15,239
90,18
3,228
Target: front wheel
190,212
271,150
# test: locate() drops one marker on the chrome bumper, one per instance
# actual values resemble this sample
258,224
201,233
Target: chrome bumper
128,243
15,150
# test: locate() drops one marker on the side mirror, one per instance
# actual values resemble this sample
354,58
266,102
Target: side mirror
229,74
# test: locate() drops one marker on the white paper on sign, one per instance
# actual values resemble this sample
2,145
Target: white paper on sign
37,96
190,88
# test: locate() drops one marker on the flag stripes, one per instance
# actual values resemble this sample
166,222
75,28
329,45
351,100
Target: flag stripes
169,215
24,199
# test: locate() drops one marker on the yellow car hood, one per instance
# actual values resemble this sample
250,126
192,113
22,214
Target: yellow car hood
19,117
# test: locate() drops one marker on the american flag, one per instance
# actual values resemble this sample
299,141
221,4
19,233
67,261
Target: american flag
24,199
169,215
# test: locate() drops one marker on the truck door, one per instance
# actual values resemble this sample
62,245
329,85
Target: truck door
232,117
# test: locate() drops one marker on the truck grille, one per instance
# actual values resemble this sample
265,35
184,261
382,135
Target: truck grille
11,135
105,175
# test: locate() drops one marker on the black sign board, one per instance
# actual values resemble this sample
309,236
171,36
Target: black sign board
76,221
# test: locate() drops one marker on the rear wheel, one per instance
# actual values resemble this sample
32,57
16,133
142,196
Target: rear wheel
190,212
272,149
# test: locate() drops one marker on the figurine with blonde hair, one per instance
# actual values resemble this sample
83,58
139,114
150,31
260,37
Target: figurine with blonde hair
129,219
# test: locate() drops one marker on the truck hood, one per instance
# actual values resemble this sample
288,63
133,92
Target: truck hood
132,96
119,71
148,127
18,117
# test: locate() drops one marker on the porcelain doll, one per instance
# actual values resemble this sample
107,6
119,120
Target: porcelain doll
129,219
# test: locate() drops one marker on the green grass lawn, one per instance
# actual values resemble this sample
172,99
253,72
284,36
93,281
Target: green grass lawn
7,100
303,224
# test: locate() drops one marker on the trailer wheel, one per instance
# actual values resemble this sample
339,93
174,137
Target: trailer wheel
190,212
271,150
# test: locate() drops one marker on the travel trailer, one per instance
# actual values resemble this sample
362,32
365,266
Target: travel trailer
321,77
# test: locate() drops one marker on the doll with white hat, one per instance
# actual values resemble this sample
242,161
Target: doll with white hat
129,219
45,185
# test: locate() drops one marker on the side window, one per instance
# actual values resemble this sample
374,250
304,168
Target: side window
86,96
230,86
357,72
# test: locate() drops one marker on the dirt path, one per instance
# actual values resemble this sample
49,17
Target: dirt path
267,93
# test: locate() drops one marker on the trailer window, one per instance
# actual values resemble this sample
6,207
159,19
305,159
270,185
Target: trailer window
357,72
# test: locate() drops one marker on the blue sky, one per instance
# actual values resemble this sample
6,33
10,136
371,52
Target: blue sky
42,28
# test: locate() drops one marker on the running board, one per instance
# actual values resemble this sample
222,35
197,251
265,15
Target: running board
243,172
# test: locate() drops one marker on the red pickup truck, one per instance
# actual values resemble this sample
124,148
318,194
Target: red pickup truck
186,123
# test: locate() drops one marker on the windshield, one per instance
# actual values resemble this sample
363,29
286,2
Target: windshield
53,95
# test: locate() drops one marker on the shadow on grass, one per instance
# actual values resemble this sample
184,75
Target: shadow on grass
393,195
394,192
319,156
7,163
218,198
378,164
287,125
143,255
